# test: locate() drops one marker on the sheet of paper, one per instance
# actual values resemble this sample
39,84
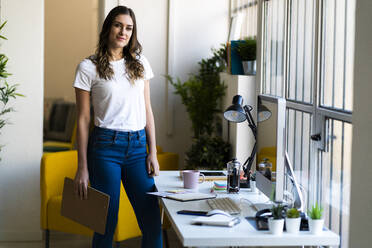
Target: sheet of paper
160,194
191,196
169,192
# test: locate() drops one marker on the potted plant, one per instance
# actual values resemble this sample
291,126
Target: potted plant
220,55
246,50
316,220
292,220
7,91
276,222
208,152
202,95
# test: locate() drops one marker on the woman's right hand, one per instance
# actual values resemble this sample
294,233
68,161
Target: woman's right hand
81,182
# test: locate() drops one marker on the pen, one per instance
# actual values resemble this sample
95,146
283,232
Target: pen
192,212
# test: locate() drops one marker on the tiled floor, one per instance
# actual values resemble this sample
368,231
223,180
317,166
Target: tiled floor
62,240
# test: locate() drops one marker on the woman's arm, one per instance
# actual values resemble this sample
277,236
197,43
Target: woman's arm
83,119
152,160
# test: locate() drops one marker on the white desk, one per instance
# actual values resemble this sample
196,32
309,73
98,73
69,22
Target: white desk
243,234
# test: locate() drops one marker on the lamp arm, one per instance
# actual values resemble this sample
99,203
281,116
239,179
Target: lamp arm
250,120
248,163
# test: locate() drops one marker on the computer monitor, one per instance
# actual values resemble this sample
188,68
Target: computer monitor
271,151
271,147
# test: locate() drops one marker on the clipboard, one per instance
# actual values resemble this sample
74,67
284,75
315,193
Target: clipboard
91,212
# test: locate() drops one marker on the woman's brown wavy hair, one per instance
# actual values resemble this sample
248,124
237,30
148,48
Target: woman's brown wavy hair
131,51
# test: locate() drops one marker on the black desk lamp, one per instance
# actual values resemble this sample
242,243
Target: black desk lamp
236,113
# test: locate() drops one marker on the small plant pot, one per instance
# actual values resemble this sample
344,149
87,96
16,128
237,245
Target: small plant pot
276,226
316,226
249,67
292,225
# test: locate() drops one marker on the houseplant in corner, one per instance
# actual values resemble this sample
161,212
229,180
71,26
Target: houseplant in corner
292,220
7,91
246,50
316,220
202,95
276,222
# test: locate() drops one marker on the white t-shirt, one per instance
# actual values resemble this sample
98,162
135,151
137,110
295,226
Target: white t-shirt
117,104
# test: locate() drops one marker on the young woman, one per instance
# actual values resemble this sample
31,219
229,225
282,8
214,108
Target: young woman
116,80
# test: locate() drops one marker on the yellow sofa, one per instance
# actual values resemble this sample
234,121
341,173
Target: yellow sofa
56,166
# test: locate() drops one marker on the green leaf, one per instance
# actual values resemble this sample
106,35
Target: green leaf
316,212
293,213
7,110
2,25
2,123
277,211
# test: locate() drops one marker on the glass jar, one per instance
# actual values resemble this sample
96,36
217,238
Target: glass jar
273,176
262,166
233,176
265,167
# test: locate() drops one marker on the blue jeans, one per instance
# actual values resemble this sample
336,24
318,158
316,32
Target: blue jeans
114,157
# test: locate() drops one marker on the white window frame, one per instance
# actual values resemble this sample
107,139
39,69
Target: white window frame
320,114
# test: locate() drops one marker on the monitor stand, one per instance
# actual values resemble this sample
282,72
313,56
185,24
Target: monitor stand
297,194
298,199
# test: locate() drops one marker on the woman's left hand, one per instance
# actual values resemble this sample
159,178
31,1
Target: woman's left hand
152,165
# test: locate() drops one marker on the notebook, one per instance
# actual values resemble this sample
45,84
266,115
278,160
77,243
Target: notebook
91,212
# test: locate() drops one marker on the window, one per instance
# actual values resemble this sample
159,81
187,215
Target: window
246,11
307,58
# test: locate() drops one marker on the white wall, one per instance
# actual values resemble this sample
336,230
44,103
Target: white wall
361,182
19,169
197,26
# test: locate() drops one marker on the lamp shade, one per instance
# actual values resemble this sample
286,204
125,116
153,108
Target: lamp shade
235,113
263,113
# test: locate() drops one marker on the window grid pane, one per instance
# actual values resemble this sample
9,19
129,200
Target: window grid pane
247,8
298,148
337,54
335,169
301,51
274,48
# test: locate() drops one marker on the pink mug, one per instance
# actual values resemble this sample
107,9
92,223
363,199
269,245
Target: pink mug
191,179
